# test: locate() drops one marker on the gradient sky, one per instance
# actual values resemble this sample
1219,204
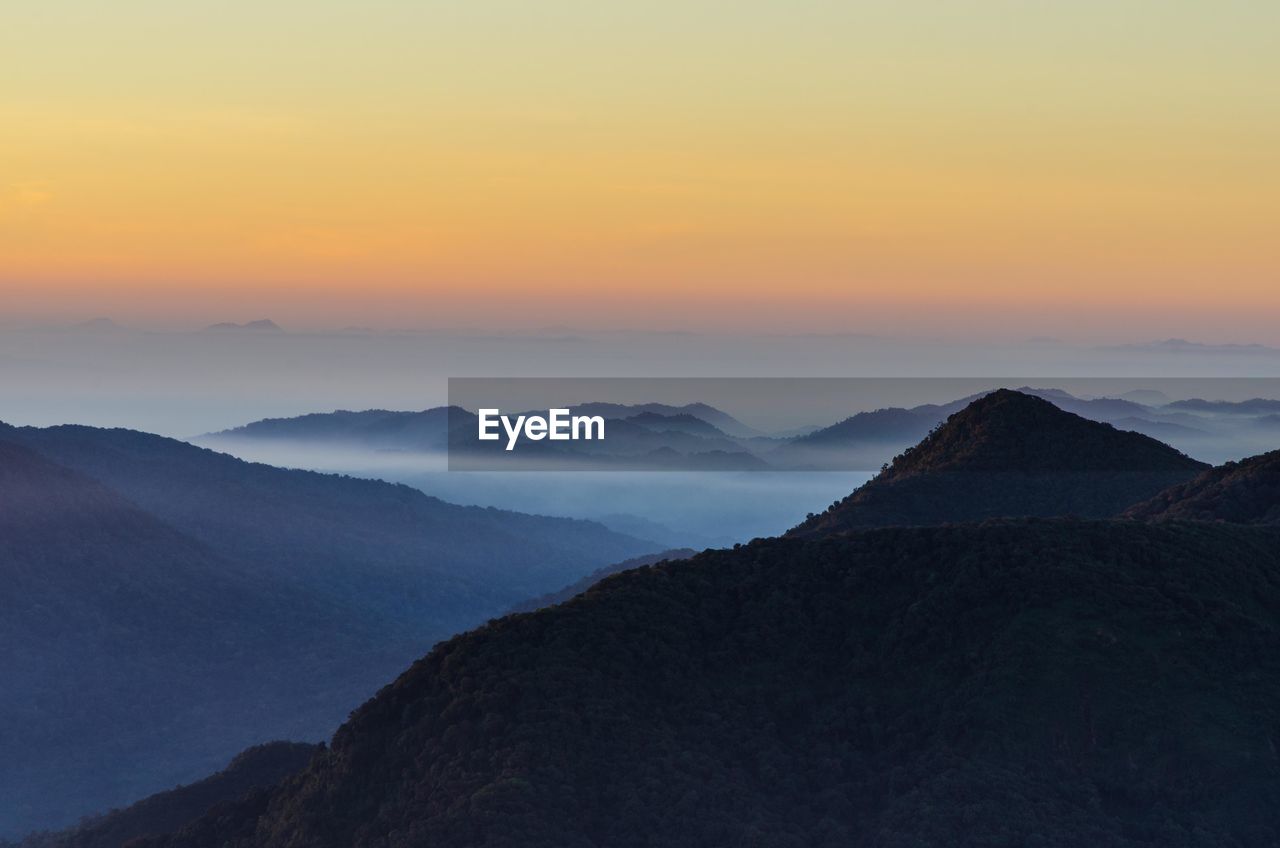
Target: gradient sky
793,165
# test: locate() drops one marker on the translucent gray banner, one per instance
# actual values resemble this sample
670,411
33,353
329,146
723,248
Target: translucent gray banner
815,424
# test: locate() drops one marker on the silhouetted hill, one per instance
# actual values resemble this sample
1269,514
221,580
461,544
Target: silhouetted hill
1055,683
859,442
687,437
1246,492
1256,406
260,767
637,436
578,587
378,429
681,423
1010,454
172,605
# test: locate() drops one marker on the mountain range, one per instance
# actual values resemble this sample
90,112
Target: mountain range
701,437
882,675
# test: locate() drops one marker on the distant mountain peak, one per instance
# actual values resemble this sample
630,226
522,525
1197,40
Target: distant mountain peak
261,325
1179,345
102,323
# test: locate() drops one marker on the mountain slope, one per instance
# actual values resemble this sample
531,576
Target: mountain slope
171,606
126,643
637,436
1245,492
1057,683
1010,454
857,443
259,767
416,561
380,429
578,587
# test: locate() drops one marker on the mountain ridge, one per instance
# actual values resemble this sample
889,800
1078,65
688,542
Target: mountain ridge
1245,492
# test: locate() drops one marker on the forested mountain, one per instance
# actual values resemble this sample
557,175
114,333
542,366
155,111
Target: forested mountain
1010,454
260,767
1246,492
165,606
1029,682
578,587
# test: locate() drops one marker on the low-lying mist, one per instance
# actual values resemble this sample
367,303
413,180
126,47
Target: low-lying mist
677,508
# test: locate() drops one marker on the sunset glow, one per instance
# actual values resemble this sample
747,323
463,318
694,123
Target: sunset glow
399,163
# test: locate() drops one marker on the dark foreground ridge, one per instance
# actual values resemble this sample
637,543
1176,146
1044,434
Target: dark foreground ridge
1010,454
1245,492
580,586
1032,682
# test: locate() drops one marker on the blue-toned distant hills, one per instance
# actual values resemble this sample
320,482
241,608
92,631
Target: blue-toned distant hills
701,437
166,606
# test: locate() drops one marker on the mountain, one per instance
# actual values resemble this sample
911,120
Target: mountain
639,436
1060,683
1183,346
261,325
1255,406
260,767
172,605
681,423
377,429
578,587
410,557
721,420
98,325
124,642
1010,454
1246,492
859,442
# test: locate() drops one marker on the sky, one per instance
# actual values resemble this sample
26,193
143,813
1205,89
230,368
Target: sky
1090,169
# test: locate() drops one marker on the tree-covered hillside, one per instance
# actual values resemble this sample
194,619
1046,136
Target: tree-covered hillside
1245,492
1049,683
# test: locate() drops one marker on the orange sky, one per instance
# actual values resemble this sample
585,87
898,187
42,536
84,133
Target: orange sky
504,163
